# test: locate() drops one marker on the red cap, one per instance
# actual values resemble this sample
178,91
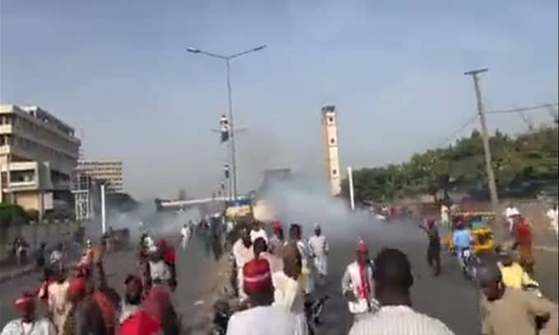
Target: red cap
140,323
277,226
257,276
25,302
362,246
171,256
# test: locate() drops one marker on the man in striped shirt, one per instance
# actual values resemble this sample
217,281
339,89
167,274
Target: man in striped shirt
393,280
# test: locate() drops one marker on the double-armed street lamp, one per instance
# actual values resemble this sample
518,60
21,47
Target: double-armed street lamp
227,60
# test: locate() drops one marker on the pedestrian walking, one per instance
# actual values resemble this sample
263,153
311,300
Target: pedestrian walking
306,279
242,253
393,280
318,247
553,216
358,284
185,236
434,246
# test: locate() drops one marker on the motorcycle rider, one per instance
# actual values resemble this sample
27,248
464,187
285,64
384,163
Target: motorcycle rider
512,273
509,311
463,240
358,284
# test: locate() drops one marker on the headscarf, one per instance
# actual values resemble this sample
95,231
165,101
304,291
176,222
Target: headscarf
257,276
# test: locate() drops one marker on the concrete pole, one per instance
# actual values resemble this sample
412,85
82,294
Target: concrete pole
103,211
485,137
351,194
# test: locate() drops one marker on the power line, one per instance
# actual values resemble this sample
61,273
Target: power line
467,123
522,109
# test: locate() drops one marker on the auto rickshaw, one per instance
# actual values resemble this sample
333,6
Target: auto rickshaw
482,233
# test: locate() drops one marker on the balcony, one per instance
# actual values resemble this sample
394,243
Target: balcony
22,186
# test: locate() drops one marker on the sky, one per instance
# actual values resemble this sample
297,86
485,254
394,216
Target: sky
119,70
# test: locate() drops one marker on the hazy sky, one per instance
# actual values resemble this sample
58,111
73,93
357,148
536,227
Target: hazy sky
393,68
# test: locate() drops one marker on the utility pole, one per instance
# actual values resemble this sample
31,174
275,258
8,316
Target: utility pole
485,137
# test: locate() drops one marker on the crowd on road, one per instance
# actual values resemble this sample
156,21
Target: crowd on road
276,281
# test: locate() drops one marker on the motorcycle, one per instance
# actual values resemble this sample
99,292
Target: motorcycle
313,310
222,314
469,263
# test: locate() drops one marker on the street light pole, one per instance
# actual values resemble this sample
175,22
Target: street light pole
485,137
227,60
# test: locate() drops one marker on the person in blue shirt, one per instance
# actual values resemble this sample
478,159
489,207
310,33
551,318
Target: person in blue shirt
463,240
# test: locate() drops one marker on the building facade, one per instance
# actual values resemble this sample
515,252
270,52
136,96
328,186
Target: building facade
38,153
108,172
330,137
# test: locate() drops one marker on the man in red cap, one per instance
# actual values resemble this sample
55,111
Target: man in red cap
242,252
434,247
261,317
358,284
28,324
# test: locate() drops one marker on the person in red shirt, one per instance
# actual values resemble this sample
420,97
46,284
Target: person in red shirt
523,241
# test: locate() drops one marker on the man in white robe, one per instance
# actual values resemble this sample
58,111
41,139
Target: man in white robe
318,247
242,253
358,284
306,279
28,323
257,232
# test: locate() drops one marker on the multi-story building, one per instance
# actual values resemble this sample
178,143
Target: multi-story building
38,153
330,133
108,172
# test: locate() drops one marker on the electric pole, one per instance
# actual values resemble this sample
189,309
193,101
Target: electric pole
485,137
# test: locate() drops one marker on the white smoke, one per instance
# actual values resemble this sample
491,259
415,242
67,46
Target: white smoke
307,203
156,223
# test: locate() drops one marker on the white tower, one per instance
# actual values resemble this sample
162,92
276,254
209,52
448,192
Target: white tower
330,130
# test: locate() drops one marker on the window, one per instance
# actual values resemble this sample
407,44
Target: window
332,141
334,172
330,119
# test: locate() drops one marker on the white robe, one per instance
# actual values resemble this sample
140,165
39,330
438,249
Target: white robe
306,278
351,281
289,295
269,320
318,247
242,255
39,327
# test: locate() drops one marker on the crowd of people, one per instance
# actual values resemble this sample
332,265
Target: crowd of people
274,278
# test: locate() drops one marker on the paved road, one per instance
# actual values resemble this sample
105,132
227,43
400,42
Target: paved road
449,297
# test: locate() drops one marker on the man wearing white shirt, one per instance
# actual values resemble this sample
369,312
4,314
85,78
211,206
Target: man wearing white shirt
257,232
242,253
261,317
393,280
318,247
185,235
28,324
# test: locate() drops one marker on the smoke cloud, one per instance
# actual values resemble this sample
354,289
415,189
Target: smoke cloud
307,203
